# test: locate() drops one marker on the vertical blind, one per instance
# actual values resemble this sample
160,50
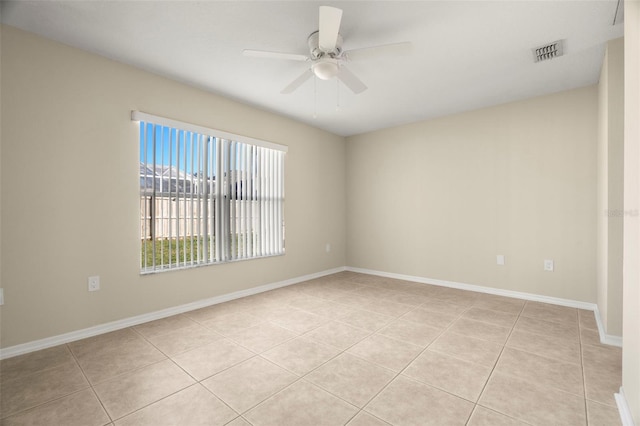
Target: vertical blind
207,196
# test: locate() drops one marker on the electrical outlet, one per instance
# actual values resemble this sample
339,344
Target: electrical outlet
327,247
1,296
93,283
500,259
548,265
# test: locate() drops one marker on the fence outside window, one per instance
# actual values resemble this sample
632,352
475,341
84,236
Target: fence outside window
207,198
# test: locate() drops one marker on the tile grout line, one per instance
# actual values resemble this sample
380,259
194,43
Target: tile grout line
33,407
255,354
493,369
411,362
584,376
172,394
196,382
549,358
300,378
89,382
343,351
460,315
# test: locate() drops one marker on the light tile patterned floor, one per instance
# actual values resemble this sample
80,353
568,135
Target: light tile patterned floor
346,349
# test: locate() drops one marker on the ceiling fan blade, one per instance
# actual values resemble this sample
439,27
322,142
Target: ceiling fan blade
297,82
329,27
274,55
394,49
350,80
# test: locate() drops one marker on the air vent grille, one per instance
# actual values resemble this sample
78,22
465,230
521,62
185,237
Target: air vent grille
548,51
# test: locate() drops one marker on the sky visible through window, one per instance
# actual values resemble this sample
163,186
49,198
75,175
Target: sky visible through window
173,147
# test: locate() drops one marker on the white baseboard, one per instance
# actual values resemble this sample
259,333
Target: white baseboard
60,339
48,342
623,409
481,289
604,338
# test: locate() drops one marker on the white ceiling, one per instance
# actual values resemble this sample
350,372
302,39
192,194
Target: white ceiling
466,54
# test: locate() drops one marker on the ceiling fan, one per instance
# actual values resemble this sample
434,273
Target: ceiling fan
326,55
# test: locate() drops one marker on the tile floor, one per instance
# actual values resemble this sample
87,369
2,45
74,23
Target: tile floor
346,349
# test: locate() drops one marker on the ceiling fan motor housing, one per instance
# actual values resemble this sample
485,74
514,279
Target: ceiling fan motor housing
315,50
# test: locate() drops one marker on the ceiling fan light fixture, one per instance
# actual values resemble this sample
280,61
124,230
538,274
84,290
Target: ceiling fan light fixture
326,55
325,70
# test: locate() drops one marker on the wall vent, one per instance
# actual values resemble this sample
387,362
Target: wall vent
548,51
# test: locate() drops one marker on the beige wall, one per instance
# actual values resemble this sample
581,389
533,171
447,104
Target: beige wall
0,176
610,186
67,132
441,198
631,262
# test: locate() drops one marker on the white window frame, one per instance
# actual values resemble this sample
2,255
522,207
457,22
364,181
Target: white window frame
239,217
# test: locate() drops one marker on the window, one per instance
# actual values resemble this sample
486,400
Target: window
207,196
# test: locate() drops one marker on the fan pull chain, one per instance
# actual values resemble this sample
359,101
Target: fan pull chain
315,97
337,95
